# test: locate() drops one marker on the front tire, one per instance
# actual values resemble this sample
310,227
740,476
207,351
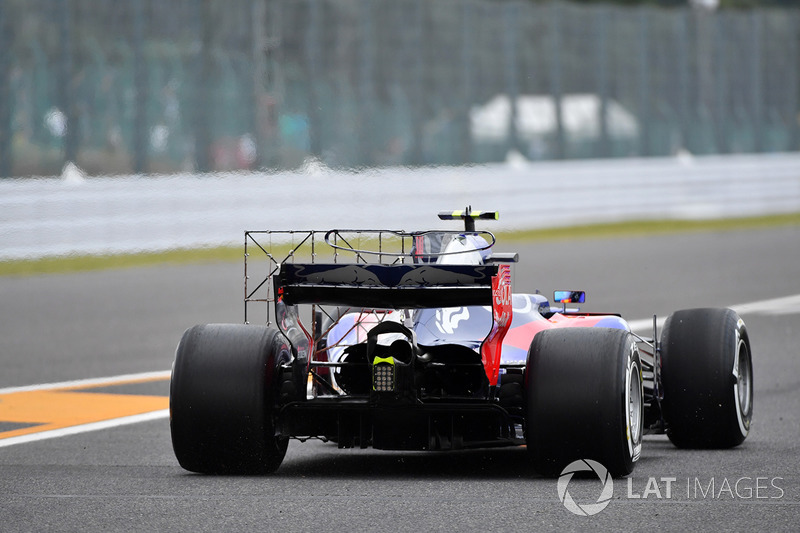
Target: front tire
223,397
707,374
584,399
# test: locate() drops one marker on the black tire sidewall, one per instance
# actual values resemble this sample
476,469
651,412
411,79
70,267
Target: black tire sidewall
698,354
223,399
576,403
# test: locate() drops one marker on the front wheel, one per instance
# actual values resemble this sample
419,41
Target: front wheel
223,397
583,390
707,374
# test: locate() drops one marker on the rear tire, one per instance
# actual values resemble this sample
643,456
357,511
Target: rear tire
223,397
584,399
707,374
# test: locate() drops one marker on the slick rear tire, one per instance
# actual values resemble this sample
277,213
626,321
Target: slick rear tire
707,376
223,396
583,390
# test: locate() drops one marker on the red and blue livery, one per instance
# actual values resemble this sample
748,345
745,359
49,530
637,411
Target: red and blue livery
415,340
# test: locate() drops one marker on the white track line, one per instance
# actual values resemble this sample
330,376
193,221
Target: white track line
84,428
92,382
93,426
774,306
784,305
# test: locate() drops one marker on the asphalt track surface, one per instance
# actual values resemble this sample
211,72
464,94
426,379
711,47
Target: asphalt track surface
58,328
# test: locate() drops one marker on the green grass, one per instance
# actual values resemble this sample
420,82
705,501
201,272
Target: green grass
83,263
649,227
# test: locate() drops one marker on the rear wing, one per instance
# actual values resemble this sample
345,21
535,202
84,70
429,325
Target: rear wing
267,253
387,270
398,286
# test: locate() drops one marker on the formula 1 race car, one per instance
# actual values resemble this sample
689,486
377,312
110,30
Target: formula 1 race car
403,340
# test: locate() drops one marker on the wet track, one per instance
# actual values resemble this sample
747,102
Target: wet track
70,327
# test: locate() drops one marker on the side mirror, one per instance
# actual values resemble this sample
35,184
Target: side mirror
569,297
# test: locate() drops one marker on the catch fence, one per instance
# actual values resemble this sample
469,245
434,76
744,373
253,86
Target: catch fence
142,86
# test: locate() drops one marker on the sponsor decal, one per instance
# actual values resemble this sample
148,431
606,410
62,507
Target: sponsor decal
447,318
